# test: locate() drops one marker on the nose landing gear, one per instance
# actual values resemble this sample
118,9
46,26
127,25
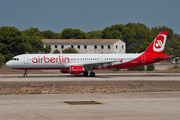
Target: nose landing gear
25,73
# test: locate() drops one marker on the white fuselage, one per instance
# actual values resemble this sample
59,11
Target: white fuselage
58,61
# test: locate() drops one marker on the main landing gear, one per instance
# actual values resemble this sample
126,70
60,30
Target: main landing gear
92,74
85,73
25,73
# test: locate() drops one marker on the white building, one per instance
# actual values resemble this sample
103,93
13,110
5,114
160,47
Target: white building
87,45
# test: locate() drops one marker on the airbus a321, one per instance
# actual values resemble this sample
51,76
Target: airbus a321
82,63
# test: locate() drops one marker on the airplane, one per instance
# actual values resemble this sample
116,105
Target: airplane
82,63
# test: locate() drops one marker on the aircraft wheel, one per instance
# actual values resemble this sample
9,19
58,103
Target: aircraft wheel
85,73
92,74
25,75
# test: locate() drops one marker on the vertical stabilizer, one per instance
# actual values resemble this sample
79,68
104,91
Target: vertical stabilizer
157,46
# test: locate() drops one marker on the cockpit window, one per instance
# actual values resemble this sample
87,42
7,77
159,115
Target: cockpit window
16,59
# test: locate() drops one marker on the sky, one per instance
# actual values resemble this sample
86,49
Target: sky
88,15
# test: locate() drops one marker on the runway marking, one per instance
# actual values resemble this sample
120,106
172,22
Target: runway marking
81,102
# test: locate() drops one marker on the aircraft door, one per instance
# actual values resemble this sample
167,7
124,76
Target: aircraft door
143,58
26,59
100,59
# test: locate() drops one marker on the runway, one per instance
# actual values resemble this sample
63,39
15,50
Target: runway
129,106
99,77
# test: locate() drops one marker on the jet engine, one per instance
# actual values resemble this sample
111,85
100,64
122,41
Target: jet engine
65,70
76,69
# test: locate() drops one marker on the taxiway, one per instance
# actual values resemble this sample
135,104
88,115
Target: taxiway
99,77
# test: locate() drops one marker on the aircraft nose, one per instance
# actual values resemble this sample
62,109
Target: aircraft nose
8,64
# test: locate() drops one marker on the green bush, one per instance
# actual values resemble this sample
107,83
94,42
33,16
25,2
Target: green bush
150,67
70,50
175,67
56,51
141,68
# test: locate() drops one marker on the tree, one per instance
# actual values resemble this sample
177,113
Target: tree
94,35
3,49
47,49
141,68
150,67
70,50
35,43
176,48
2,59
133,48
32,32
56,51
127,33
50,35
113,32
12,41
72,34
144,46
8,56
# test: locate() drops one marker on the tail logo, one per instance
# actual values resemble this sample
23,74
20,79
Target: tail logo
159,43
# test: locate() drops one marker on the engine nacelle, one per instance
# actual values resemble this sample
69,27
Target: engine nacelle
65,70
76,69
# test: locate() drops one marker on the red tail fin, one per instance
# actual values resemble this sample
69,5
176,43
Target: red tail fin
157,46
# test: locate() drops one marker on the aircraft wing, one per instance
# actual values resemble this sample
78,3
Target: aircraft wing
98,64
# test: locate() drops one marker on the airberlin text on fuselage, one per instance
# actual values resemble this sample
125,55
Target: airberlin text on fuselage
45,59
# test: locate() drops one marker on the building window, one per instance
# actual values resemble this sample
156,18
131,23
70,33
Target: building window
95,46
55,46
122,46
102,46
116,47
85,46
78,46
72,46
62,46
109,46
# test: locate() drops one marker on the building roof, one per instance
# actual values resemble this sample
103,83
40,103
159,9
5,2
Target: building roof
80,41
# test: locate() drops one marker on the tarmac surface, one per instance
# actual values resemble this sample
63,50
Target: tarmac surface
99,77
125,106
